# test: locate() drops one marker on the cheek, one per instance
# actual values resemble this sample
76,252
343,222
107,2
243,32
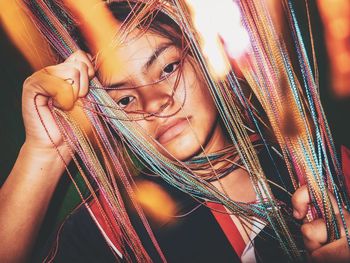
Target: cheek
148,129
204,112
199,101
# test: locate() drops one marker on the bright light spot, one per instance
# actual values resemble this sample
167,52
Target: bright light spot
100,36
221,21
156,200
23,33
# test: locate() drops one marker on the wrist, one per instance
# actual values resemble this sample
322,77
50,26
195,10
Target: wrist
37,166
46,154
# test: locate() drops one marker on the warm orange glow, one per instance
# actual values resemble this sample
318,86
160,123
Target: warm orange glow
24,35
339,28
343,62
216,23
336,21
156,200
100,28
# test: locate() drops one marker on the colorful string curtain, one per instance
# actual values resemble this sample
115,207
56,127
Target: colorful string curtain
282,76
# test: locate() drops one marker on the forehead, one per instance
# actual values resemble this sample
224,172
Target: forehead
130,56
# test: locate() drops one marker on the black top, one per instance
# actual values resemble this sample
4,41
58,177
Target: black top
196,237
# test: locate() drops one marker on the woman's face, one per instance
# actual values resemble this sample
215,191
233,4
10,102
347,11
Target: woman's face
185,119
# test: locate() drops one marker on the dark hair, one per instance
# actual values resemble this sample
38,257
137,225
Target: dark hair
157,22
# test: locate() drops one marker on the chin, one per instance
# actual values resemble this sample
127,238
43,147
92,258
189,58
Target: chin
183,148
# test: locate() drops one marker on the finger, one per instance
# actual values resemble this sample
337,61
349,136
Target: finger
84,78
335,252
89,56
301,202
91,63
66,71
74,81
314,234
85,58
51,86
81,61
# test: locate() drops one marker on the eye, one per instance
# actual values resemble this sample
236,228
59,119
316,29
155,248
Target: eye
124,102
170,68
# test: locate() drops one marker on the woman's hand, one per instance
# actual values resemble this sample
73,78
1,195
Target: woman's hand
65,83
315,232
26,193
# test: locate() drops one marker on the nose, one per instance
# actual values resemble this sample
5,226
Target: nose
156,98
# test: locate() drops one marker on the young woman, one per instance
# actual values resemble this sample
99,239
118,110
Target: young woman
146,81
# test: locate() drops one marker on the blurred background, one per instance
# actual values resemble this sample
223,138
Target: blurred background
331,28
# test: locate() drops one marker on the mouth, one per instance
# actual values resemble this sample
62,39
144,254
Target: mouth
171,129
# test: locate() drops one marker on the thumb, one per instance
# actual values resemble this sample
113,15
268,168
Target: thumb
335,252
300,202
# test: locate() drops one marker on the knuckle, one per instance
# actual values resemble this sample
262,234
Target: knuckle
49,69
28,81
300,196
34,78
80,52
306,230
296,198
74,56
82,66
77,55
75,73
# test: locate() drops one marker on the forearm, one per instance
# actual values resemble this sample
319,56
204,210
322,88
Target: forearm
24,199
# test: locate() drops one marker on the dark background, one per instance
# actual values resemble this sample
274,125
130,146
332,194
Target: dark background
14,69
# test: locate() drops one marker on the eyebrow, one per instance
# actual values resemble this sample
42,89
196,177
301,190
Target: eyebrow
159,50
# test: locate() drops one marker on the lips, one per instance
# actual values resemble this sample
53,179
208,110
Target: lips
171,129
